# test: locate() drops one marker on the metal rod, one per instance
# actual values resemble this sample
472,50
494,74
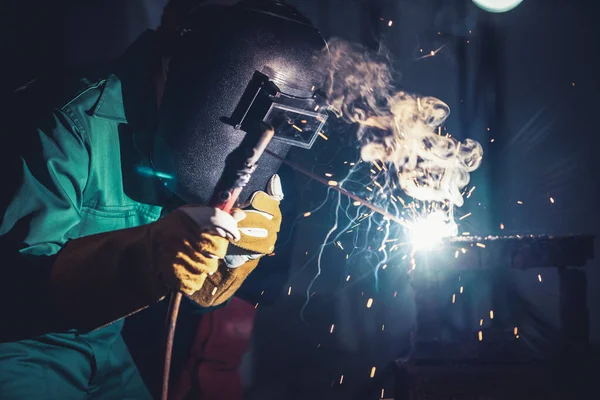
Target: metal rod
237,172
325,182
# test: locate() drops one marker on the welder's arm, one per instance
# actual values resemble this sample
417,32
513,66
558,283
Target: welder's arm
45,168
50,283
258,231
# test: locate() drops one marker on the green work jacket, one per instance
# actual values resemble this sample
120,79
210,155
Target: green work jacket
63,180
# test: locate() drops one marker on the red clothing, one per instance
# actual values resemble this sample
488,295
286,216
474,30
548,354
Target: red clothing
222,338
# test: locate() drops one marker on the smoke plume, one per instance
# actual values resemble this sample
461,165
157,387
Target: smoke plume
397,127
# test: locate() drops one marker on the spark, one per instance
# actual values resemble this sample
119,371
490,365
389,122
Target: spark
516,331
481,322
356,203
432,53
373,172
289,290
347,278
382,327
373,369
376,164
480,245
461,290
466,233
307,214
395,294
331,330
369,303
390,23
492,140
340,244
341,379
491,314
256,306
480,336
456,254
453,298
464,251
382,392
297,128
552,200
501,226
368,188
519,202
465,216
332,183
328,174
384,266
540,277
316,109
572,83
470,192
214,291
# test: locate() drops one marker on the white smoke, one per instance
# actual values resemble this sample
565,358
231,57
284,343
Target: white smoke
397,127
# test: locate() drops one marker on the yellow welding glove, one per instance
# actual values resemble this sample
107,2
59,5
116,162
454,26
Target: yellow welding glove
258,234
100,278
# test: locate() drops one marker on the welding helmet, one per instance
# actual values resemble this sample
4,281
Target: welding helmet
234,67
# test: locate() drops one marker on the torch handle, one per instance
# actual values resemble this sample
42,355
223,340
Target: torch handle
239,167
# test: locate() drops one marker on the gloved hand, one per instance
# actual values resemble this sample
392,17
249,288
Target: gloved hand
188,244
258,234
100,278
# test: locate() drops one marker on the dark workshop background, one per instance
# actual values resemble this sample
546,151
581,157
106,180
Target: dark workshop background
526,79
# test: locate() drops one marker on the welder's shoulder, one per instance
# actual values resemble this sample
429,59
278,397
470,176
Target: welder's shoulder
75,93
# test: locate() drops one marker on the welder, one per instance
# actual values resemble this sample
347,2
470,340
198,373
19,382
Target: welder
106,177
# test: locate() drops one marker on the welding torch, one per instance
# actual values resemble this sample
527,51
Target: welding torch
239,166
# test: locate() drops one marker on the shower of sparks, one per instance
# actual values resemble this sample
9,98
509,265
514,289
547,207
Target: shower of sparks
369,303
373,369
